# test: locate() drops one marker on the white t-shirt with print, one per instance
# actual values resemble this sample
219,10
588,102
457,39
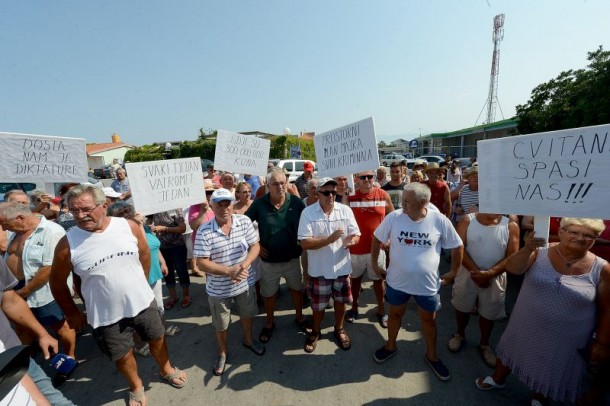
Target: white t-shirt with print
415,248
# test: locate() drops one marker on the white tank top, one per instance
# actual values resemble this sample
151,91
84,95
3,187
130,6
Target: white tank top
114,285
486,245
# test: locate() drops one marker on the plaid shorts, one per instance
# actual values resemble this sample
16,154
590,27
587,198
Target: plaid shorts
320,289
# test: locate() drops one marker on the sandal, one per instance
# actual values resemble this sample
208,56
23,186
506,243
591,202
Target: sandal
177,375
172,331
137,398
143,351
186,301
255,347
351,315
342,339
311,342
382,319
266,334
304,325
170,303
487,383
219,366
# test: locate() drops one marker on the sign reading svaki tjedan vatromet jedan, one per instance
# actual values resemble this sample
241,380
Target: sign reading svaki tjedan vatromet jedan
42,158
560,173
348,149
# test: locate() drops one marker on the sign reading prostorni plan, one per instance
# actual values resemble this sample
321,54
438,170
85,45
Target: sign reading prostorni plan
559,173
348,149
41,158
158,186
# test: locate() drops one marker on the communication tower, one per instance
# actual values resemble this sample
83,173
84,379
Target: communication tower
492,97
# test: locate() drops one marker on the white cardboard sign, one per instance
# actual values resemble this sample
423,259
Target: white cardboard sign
239,153
158,186
348,149
559,173
42,158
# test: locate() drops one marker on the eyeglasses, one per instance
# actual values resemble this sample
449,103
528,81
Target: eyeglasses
587,237
363,177
328,192
85,212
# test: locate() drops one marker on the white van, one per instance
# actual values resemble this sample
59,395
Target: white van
295,167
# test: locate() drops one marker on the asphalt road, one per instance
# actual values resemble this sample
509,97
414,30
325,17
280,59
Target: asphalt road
286,375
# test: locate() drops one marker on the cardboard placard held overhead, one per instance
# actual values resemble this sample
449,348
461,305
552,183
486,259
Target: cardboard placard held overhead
559,173
239,153
158,186
42,158
348,149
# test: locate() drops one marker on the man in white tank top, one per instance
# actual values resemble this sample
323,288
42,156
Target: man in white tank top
481,280
111,261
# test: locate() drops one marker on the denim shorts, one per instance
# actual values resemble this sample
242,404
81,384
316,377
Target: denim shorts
49,314
431,304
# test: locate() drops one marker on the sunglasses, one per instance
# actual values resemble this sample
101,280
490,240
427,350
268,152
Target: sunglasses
363,177
328,192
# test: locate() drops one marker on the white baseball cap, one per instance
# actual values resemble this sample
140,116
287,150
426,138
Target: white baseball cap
221,194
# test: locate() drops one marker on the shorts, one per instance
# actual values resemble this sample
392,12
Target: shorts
431,304
245,305
490,300
272,272
320,289
116,340
49,314
361,263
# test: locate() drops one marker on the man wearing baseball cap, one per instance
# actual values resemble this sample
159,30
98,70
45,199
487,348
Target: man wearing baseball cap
302,180
225,248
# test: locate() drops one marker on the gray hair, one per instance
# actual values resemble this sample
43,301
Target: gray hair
121,170
13,192
595,225
77,191
276,170
36,195
381,169
10,211
421,191
121,209
313,182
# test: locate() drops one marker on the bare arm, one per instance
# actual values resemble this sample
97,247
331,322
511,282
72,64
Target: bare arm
522,260
60,270
163,264
375,249
314,243
389,207
17,311
38,281
143,250
600,348
447,202
235,272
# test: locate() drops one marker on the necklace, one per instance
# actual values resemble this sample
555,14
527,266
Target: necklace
569,263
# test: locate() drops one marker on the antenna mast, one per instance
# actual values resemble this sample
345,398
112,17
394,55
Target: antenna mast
492,97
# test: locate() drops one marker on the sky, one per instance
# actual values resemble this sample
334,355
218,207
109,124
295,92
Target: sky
157,71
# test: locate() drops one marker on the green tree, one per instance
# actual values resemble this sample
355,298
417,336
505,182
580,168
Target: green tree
575,98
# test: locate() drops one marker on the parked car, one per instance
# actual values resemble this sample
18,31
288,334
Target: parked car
295,167
205,163
388,159
464,162
433,158
105,172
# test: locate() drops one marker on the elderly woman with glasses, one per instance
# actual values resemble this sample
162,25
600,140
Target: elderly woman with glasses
564,303
243,194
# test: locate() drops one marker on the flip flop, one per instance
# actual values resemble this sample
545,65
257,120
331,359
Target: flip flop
256,347
170,378
304,325
170,303
137,398
487,383
311,342
219,366
186,301
266,334
172,331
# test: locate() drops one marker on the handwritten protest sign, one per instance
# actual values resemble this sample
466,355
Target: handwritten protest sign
158,186
41,158
240,153
559,173
348,149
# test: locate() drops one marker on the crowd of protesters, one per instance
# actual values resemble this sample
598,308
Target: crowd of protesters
88,249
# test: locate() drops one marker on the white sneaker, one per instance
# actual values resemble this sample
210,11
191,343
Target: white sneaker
455,343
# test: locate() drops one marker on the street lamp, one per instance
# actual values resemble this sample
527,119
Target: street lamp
167,152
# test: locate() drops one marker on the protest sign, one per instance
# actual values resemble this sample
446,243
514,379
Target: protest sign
348,149
158,186
560,173
41,158
239,153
